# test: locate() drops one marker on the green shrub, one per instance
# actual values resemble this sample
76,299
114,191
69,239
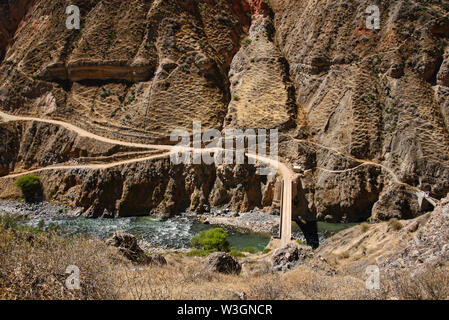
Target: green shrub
105,93
16,222
266,250
250,250
199,253
10,221
247,42
214,239
236,253
30,187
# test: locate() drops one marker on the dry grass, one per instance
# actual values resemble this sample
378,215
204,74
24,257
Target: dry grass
395,224
316,285
429,284
364,226
32,266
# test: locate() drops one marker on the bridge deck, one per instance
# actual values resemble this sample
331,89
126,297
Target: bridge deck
286,213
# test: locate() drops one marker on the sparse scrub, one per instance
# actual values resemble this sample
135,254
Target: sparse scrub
250,250
130,100
364,226
199,253
10,221
269,287
236,253
105,93
32,266
395,224
429,284
247,42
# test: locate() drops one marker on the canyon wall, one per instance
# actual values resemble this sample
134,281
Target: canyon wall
364,112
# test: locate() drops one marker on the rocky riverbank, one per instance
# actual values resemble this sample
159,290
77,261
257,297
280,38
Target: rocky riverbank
254,221
41,209
156,236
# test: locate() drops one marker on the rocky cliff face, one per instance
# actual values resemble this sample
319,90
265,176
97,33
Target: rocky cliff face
12,13
364,112
374,95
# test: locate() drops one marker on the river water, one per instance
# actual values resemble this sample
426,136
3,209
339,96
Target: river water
174,233
171,234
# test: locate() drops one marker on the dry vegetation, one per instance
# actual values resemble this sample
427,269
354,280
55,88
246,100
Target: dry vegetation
32,266
433,284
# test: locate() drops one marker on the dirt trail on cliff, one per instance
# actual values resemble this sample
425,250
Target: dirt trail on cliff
362,162
91,166
82,132
285,171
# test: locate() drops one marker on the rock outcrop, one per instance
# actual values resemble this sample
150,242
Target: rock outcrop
12,14
364,112
135,65
128,246
361,98
289,257
411,245
223,263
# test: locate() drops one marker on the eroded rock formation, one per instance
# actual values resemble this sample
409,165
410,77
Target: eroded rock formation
364,112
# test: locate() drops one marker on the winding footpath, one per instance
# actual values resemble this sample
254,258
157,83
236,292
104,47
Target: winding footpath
166,150
285,171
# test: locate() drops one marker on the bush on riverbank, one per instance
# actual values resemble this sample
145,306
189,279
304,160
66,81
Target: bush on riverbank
213,239
236,253
250,250
31,188
199,253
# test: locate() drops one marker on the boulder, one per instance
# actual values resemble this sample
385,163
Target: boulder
128,246
223,263
125,241
289,256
